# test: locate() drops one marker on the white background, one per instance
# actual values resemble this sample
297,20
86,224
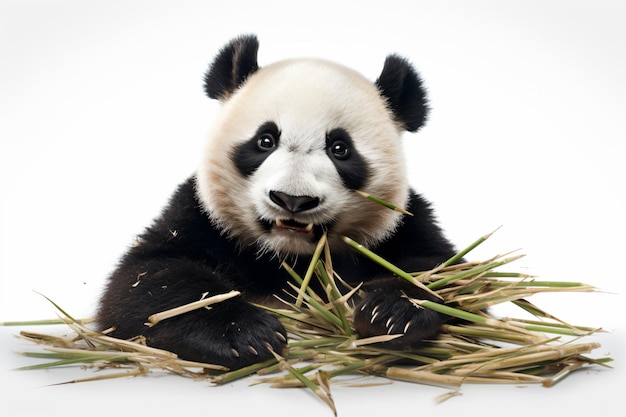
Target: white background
102,114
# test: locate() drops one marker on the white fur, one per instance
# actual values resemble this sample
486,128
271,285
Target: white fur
306,99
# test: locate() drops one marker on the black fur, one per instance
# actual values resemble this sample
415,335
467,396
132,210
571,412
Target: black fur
351,167
250,155
402,87
182,257
234,63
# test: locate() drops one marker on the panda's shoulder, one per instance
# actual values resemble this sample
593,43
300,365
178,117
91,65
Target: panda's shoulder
183,210
183,227
420,207
419,233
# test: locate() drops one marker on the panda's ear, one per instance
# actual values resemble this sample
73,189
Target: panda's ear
402,87
233,64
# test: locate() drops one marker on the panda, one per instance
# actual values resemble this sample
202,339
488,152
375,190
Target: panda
291,145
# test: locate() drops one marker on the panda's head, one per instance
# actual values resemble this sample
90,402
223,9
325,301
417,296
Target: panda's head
295,139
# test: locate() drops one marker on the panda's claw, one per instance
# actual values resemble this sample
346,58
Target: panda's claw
406,327
234,352
374,315
389,322
386,313
281,337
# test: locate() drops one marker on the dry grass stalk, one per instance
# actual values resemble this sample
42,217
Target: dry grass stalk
202,303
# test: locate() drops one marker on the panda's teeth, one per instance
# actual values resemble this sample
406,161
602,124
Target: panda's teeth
293,225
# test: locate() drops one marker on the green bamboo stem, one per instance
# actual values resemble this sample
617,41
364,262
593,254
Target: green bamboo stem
231,376
383,203
72,361
334,296
566,331
486,333
322,310
477,270
309,273
475,318
386,264
560,325
468,249
317,342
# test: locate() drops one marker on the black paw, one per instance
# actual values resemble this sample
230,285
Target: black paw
389,313
252,338
234,334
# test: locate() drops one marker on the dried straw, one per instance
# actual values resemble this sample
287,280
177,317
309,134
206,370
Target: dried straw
473,347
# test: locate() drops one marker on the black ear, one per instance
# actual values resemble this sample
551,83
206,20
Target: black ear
402,87
234,63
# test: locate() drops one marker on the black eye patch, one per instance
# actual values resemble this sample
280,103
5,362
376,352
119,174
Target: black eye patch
350,165
249,155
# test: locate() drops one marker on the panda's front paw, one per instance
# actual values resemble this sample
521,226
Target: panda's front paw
233,334
391,313
252,339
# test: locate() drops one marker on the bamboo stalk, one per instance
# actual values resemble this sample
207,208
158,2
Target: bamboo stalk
478,270
391,267
468,249
383,203
309,273
338,307
156,318
126,374
537,355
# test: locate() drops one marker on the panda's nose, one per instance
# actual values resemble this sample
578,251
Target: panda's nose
294,203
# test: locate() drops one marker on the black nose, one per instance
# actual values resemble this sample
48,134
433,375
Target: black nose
294,203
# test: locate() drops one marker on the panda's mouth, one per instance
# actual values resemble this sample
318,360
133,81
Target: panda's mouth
291,227
294,226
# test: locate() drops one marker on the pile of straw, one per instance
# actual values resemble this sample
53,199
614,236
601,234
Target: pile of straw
473,347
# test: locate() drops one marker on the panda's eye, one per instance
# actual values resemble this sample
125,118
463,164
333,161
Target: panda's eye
340,150
266,142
